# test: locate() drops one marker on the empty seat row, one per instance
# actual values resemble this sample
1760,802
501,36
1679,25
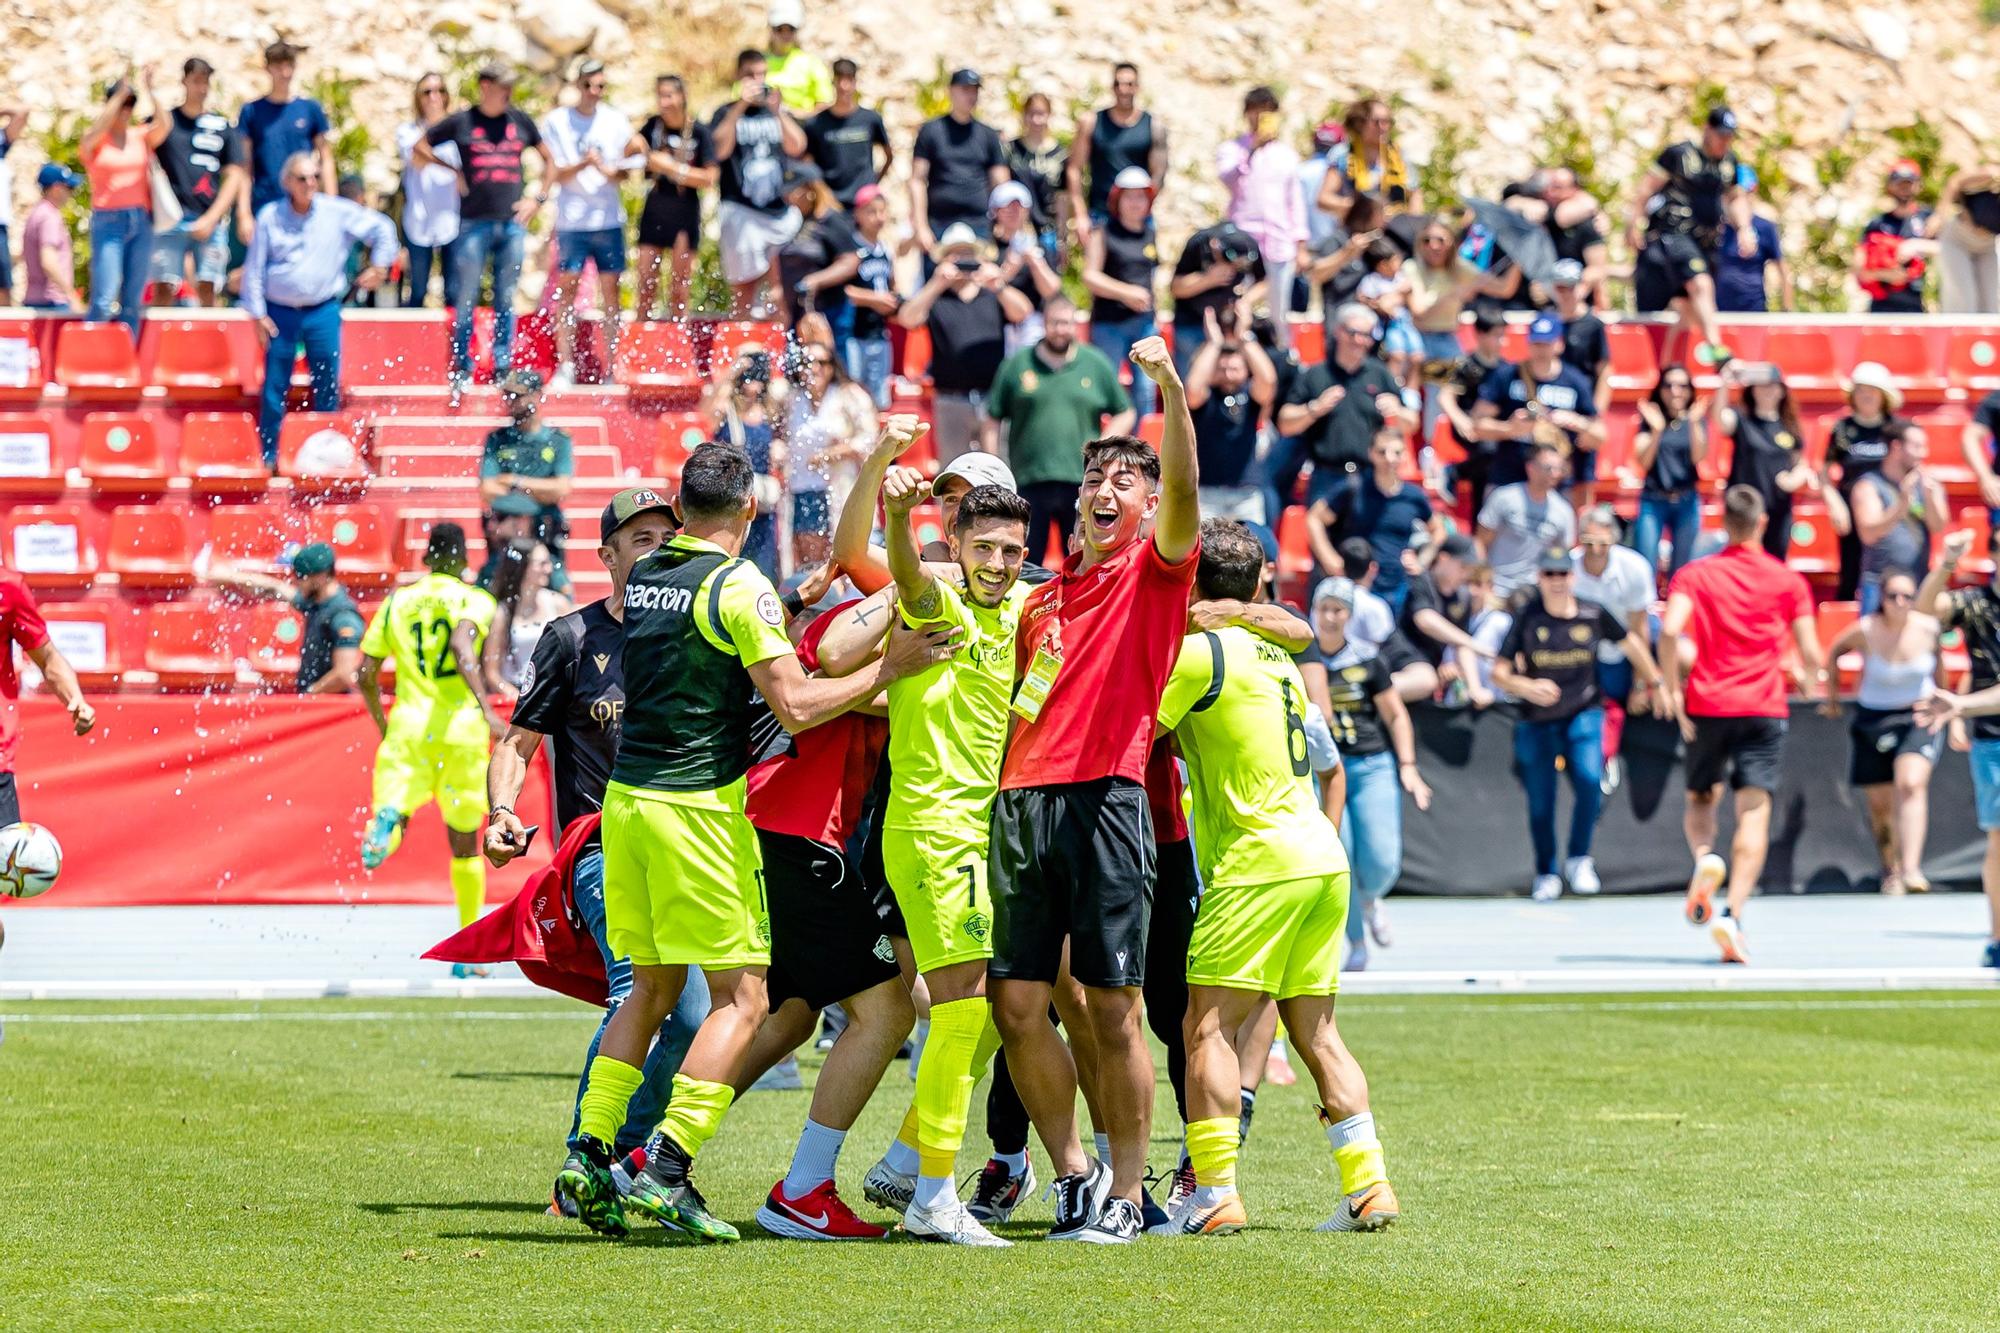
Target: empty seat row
157,546
195,643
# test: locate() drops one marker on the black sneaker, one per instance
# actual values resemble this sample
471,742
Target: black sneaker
1150,1214
1118,1224
999,1191
1249,1104
664,1193
1079,1199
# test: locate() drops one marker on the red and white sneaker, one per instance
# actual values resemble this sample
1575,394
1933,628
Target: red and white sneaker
818,1215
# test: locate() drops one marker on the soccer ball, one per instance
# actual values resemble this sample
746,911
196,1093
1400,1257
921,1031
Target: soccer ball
30,860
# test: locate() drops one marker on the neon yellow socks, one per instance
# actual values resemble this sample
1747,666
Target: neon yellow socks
1356,1150
962,1040
1211,1146
468,885
695,1112
607,1091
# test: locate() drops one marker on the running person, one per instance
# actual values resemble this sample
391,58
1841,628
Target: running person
434,742
683,874
1274,902
21,623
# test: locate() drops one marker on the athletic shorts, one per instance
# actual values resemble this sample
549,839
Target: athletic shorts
683,883
1882,736
1072,862
605,248
1986,783
751,239
1746,750
1176,899
1664,268
660,227
412,771
829,937
1280,939
939,877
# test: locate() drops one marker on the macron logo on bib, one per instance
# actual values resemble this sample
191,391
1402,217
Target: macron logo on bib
658,597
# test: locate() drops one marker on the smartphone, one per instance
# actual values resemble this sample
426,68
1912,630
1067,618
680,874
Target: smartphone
1757,372
527,839
1267,125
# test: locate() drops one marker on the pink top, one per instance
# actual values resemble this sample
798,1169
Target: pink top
1264,195
118,172
44,228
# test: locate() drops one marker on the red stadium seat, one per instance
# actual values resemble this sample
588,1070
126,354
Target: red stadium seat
148,547
50,546
249,537
927,523
191,645
22,375
121,452
1309,342
916,364
220,452
1152,428
29,461
679,434
427,464
194,359
274,636
97,361
658,358
1815,549
308,455
731,335
91,635
1444,443
1295,557
1972,360
1907,355
1806,357
1616,451
361,541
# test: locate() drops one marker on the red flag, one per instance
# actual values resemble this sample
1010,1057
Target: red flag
538,929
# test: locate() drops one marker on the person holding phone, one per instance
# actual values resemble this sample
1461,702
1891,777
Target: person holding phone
1261,173
117,154
753,136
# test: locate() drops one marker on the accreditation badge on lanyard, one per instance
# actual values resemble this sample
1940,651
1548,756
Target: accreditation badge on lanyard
1040,677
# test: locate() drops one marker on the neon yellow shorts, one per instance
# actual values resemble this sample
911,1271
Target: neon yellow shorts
412,771
939,878
683,883
1277,939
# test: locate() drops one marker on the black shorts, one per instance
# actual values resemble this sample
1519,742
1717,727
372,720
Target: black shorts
10,801
1664,268
1072,862
1747,750
829,937
661,227
1882,736
1176,897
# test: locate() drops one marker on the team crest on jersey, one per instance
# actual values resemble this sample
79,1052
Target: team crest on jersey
1354,673
1786,440
603,660
528,676
764,931
1541,634
883,950
1579,633
1029,381
978,927
768,609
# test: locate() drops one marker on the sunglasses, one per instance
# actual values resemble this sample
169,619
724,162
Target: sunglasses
594,86
430,92
1558,573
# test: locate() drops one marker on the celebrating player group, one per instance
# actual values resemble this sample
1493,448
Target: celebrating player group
961,789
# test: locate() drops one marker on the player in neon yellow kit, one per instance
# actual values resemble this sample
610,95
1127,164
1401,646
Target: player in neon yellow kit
1274,903
435,741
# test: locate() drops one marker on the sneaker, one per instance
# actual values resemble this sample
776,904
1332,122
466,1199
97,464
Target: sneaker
1118,1224
886,1187
1079,1199
1614,776
385,835
1581,872
999,1191
1992,956
818,1214
1547,888
1713,354
1357,956
951,1223
1728,937
1709,872
1378,924
1182,1188
677,1205
1222,1218
585,1181
1150,1213
1371,1209
1246,1108
780,1077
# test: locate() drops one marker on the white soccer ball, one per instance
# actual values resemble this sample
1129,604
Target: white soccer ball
30,860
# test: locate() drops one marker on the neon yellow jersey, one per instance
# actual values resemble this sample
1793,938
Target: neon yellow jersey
413,630
948,725
1237,706
802,79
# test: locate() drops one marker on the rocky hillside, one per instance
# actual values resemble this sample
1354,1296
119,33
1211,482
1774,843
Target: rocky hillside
1828,93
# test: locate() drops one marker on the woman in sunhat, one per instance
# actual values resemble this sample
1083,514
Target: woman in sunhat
1856,446
1120,261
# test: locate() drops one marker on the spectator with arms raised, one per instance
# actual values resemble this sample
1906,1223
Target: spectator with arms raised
1229,386
1261,172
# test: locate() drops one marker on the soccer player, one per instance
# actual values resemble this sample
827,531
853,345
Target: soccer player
434,743
1274,902
575,692
1072,848
21,623
683,873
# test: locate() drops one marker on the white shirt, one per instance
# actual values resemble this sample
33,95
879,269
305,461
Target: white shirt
588,201
1370,625
430,193
1625,589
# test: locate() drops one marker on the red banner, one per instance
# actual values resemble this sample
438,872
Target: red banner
231,799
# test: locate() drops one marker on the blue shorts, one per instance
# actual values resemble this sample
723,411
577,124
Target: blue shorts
1402,339
1986,783
604,248
172,247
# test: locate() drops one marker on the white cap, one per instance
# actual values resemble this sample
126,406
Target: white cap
1132,178
979,469
957,236
1009,192
785,14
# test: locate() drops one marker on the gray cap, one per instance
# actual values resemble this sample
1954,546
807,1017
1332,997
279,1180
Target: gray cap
1568,273
979,470
1335,589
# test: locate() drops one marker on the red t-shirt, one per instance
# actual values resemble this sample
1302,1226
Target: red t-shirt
20,623
1744,604
1121,625
1163,794
816,791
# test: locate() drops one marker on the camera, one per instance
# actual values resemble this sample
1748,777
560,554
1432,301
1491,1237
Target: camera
756,368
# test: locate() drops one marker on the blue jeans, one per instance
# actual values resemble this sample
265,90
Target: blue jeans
1371,831
1678,518
121,263
1579,742
1278,473
318,328
868,364
501,241
1114,338
422,258
676,1033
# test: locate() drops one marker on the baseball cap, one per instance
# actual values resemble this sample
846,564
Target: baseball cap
978,469
312,558
1458,546
1266,539
1009,192
1904,168
867,195
798,173
1132,178
514,504
628,504
55,173
958,236
1568,273
965,78
498,71
282,50
589,69
1335,589
1545,329
1553,560
1722,118
1328,133
785,14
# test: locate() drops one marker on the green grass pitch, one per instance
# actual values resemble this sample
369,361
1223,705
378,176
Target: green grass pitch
1634,1162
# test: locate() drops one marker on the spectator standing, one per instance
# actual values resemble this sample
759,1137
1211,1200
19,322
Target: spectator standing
1038,160
1980,443
1586,349
1391,514
1338,406
274,127
1230,386
1769,448
739,400
802,79
966,310
828,425
680,162
1121,260
118,155
1053,399
355,190
1336,264
586,146
1668,450
1385,289
509,518
330,639
1109,142
1218,267
1459,392
1618,579
526,605
1747,256
1328,135
1367,161
1024,264
201,158
531,458
1542,400
1261,172
957,163
821,258
1681,207
1438,614
864,348
1857,444
843,139
1442,283
753,136
1975,614
1968,268
1522,519
13,119
1550,662
430,195
493,138
1576,228
48,260
1897,509
1897,246
293,280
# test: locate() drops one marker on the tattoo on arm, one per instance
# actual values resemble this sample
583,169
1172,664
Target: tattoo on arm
928,603
863,613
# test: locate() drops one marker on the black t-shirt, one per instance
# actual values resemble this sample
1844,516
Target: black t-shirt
818,243
1340,439
1225,436
574,693
1975,613
1673,468
1983,208
843,148
1042,171
1424,596
1114,147
1339,288
1467,374
1211,245
491,148
1690,204
332,624
878,274
967,342
1572,241
1351,690
1562,649
1129,256
1586,346
692,144
196,150
1763,450
753,174
961,156
1858,448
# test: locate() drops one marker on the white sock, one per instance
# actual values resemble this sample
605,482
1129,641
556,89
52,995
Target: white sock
1354,1129
1016,1162
1207,1196
935,1191
901,1158
1103,1144
813,1160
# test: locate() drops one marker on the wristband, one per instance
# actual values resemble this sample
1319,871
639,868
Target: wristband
794,604
501,810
